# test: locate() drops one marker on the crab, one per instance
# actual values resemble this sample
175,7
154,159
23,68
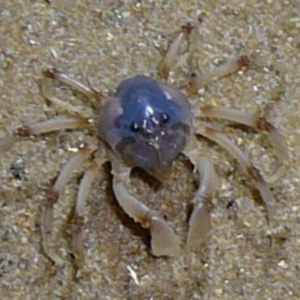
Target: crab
147,124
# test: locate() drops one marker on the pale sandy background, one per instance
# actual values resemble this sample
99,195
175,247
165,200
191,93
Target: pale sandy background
104,42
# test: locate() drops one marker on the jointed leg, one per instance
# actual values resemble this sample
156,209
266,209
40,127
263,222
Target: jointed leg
41,128
223,70
246,165
53,196
76,85
47,93
199,223
84,188
173,51
256,123
164,242
202,80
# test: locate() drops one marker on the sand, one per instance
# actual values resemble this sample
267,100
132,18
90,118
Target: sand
101,43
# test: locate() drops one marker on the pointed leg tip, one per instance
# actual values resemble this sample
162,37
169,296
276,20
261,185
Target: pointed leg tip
200,227
56,259
164,242
165,250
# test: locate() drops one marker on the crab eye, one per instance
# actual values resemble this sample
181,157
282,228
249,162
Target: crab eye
165,118
134,127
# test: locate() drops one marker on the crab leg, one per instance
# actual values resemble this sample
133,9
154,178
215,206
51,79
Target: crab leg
40,128
164,242
86,90
84,188
53,196
173,51
246,165
47,91
223,70
199,222
256,123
